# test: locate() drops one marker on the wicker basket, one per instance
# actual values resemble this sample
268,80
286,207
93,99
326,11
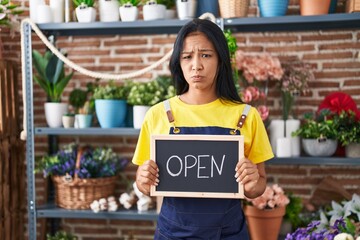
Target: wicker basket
79,193
233,8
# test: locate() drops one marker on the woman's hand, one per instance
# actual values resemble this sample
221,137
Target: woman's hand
252,176
147,175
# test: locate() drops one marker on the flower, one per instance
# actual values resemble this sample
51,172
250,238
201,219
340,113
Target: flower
94,162
294,81
255,71
8,14
273,197
343,223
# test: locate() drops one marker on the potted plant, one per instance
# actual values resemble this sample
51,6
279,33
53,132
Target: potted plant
318,133
61,235
153,10
85,11
50,75
110,104
186,9
348,127
109,10
82,174
170,11
264,214
142,95
129,10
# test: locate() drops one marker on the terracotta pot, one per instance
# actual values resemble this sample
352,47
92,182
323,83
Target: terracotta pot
314,7
264,224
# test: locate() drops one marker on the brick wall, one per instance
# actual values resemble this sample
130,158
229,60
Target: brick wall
335,56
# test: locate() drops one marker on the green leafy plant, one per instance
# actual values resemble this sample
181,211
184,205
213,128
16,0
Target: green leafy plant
111,91
169,4
61,235
293,210
88,3
8,11
78,97
315,127
50,74
150,93
130,2
348,127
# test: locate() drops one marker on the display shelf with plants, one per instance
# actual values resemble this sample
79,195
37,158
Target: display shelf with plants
172,26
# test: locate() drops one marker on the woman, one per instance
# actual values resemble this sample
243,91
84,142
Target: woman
207,103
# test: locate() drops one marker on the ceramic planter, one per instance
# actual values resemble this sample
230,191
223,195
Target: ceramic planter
54,112
108,10
128,13
68,121
186,9
85,14
273,8
352,150
111,113
139,115
314,7
170,13
316,148
154,11
83,120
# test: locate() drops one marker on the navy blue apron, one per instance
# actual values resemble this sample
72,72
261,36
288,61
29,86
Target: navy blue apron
201,218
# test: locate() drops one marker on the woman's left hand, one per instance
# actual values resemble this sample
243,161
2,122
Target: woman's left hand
248,174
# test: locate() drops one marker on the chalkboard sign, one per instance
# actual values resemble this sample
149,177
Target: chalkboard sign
197,165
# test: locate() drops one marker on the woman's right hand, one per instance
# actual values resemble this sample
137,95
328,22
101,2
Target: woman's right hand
146,175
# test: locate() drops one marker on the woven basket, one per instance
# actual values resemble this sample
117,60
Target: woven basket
79,193
233,8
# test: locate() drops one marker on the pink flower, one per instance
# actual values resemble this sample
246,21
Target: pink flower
246,96
272,197
264,112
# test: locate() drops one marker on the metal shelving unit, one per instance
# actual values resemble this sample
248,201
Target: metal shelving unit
251,24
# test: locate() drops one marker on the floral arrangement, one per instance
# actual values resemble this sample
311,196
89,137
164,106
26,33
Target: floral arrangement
61,235
348,127
151,93
8,14
111,91
255,71
294,81
344,223
94,163
273,197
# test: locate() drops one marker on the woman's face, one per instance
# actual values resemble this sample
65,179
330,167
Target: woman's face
199,62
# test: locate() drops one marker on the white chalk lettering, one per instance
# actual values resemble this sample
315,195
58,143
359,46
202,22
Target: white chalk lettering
213,163
199,163
186,163
168,169
200,167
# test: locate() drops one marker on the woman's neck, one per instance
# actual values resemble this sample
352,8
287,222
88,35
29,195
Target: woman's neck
197,98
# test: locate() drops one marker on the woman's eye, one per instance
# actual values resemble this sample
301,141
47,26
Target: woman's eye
186,57
205,55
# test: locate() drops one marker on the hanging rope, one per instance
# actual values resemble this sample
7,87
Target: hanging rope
78,68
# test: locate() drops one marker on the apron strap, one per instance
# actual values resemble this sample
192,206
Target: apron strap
244,115
170,116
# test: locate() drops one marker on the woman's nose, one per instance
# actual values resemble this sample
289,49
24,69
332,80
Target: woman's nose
196,65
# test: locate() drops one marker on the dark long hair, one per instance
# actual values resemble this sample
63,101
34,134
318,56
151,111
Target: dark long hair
225,86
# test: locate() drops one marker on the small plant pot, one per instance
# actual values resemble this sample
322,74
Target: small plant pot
83,120
352,150
68,121
154,11
108,10
110,113
273,8
139,115
85,14
128,13
314,7
186,9
316,148
54,112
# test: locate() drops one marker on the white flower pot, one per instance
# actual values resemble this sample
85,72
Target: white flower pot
170,14
291,126
277,130
108,10
83,120
128,13
154,11
57,8
68,121
139,115
352,150
85,14
316,148
54,112
44,14
186,9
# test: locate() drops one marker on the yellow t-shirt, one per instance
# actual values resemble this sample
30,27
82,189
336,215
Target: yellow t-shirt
218,113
